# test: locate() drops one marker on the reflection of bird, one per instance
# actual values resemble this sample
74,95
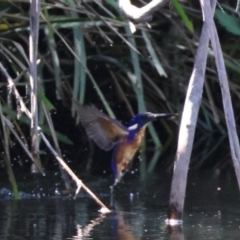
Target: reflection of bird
109,133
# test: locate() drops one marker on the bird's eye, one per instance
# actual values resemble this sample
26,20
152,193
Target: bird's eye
146,117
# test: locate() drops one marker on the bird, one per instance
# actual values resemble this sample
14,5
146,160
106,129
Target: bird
109,133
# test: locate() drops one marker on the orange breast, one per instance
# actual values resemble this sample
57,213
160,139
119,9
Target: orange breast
126,152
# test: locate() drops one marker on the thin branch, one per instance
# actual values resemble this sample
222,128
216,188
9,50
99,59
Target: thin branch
187,129
33,50
11,127
79,183
12,88
223,79
6,145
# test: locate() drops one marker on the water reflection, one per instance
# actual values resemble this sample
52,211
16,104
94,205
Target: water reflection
138,212
175,233
83,232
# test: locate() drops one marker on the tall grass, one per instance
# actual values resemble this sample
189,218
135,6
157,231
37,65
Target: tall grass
87,51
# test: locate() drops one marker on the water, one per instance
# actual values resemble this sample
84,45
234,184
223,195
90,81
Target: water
212,211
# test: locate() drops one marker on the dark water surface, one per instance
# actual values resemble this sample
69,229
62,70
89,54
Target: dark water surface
138,210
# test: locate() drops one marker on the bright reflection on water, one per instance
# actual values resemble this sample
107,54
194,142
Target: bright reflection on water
138,212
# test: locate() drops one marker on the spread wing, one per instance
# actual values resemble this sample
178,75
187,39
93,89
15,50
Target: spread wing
104,130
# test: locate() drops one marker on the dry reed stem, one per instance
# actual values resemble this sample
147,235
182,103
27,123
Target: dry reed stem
223,79
79,183
187,129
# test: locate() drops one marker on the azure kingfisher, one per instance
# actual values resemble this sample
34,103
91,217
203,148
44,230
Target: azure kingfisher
109,133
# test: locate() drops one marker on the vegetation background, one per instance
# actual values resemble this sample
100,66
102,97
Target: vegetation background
87,51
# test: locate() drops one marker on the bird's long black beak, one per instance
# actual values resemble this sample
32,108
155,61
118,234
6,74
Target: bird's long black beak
162,115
